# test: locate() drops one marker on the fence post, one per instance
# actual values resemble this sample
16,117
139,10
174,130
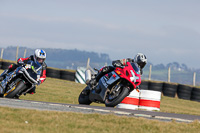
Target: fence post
24,53
168,74
2,53
194,79
17,52
150,67
88,63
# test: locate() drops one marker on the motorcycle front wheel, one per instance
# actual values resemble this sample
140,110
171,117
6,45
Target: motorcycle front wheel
84,99
17,90
112,102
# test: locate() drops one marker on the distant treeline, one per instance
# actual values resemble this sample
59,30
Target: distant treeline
62,58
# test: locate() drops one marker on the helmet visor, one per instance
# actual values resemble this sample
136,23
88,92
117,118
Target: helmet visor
40,60
141,64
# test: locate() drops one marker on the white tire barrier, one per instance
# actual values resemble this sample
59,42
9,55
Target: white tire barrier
131,101
144,100
80,75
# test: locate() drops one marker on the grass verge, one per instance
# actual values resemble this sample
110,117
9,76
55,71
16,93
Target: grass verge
23,121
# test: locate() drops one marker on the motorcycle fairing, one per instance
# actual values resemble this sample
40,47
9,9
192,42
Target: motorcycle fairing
130,73
102,87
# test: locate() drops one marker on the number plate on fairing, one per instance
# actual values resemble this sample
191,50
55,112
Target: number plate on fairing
112,79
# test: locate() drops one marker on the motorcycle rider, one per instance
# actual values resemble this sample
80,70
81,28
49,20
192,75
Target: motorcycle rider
140,59
38,57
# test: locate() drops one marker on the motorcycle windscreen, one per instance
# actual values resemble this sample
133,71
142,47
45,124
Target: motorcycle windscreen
136,68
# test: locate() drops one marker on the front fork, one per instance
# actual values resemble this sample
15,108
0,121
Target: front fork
4,83
4,73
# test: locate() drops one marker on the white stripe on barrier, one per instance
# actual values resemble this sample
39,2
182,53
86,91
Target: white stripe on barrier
78,79
150,94
80,75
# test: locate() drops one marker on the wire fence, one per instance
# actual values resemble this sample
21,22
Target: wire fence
172,75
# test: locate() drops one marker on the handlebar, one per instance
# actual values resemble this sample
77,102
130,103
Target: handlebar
96,69
120,66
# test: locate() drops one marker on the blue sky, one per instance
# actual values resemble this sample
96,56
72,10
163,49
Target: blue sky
166,31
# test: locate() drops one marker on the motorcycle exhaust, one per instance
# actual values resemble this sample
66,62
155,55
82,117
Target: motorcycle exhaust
87,76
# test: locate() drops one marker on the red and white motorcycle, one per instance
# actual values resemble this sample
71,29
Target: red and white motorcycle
113,87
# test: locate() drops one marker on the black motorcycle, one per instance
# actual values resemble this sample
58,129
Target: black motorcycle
22,80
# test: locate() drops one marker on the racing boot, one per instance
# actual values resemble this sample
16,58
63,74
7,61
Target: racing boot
92,83
32,91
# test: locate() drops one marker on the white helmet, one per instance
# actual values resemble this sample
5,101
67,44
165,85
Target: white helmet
39,56
141,60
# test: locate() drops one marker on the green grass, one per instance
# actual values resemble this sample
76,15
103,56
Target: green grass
23,121
62,91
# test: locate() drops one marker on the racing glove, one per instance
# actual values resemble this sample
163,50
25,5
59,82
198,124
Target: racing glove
20,63
129,60
116,64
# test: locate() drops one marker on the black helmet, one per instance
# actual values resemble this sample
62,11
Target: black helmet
141,60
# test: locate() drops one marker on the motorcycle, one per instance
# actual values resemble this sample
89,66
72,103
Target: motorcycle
23,79
113,87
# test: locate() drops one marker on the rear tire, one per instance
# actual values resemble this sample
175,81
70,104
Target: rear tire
84,99
18,90
116,101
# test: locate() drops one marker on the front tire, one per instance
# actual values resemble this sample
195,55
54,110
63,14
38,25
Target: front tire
84,99
112,103
18,90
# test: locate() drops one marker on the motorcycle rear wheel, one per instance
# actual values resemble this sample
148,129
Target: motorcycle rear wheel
84,99
18,89
112,103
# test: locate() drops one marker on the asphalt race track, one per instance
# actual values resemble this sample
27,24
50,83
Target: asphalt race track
26,104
